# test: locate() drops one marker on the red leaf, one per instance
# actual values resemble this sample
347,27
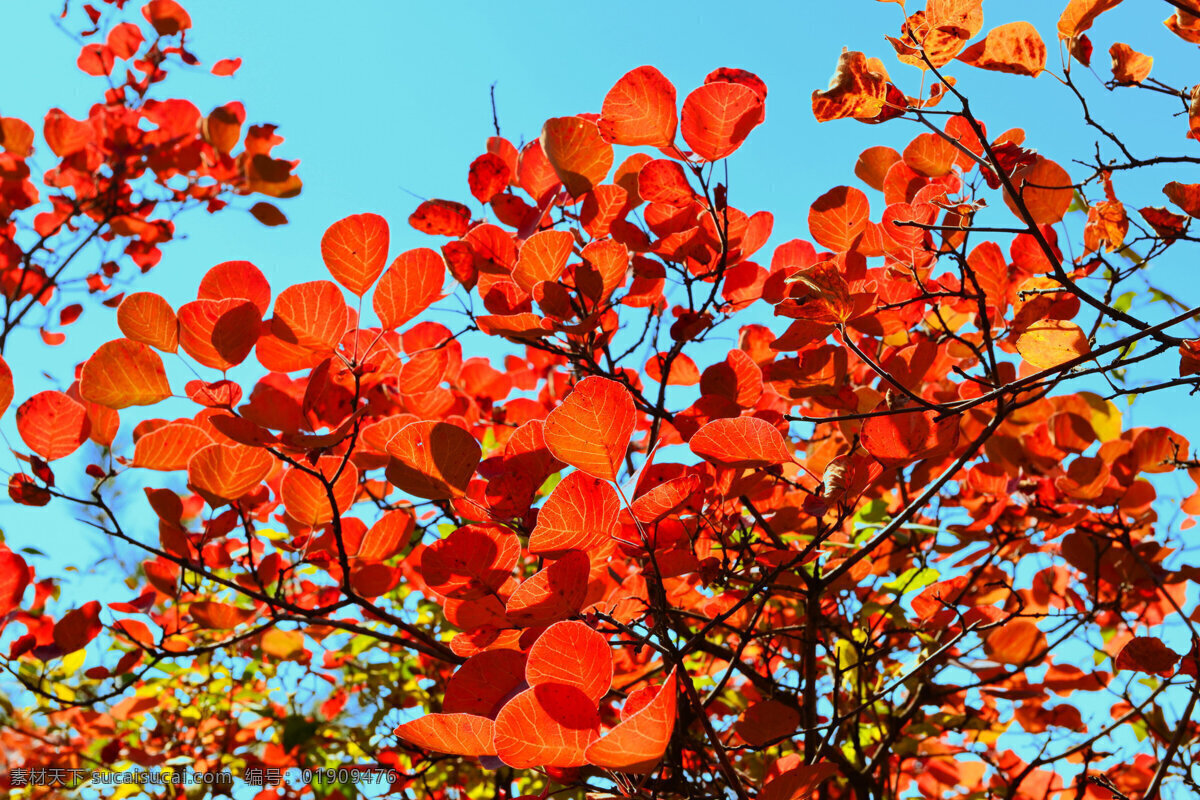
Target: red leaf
1046,189
217,616
798,783
96,59
433,460
580,514
550,725
239,279
226,472
387,537
839,218
572,654
640,110
410,285
717,118
170,447
219,333
484,682
1148,654
456,734
553,593
52,424
638,743
1017,642
741,443
543,257
148,318
125,39
472,562
355,251
664,181
580,156
77,627
14,577
268,214
441,218
305,497
167,17
226,67
311,315
592,428
896,439
489,176
6,386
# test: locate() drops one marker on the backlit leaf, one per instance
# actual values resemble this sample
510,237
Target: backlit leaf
579,155
431,459
717,118
147,318
553,593
456,734
741,443
1048,343
52,424
355,251
640,110
1014,47
550,725
124,373
592,428
572,654
410,285
638,743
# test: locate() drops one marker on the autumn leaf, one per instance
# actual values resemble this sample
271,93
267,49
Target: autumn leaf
717,117
1128,65
1014,47
856,90
1147,654
640,110
592,428
1052,342
355,251
637,743
578,153
124,373
741,443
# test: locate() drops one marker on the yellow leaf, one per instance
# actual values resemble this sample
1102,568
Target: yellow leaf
1051,342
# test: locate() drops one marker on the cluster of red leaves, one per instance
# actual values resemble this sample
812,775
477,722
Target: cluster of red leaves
123,172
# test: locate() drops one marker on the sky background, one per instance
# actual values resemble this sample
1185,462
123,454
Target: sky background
386,102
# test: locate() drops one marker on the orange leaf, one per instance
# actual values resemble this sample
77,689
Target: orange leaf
170,447
488,176
147,318
66,136
305,498
767,720
664,181
637,743
52,424
410,285
226,472
1046,189
239,279
856,90
904,438
572,654
311,315
1147,654
717,118
839,218
473,561
592,428
1050,342
552,593
355,251
1017,642
433,460
78,627
6,387
217,616
741,443
124,373
580,514
456,734
1184,195
798,783
550,725
1079,15
1014,47
580,156
219,333
640,110
543,257
226,67
387,537
1128,65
